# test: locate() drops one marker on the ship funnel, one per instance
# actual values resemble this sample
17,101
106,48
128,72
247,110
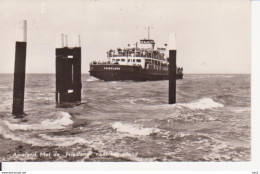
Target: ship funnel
172,42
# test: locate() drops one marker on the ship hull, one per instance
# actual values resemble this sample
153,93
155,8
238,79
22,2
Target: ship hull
125,72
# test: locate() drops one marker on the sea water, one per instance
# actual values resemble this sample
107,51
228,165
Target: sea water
129,121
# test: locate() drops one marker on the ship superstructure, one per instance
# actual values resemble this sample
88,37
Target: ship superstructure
140,63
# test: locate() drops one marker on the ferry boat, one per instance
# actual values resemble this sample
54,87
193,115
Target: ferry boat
139,63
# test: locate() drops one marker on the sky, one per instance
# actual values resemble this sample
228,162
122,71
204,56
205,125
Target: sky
212,36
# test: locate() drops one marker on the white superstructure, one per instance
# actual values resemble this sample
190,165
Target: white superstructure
143,55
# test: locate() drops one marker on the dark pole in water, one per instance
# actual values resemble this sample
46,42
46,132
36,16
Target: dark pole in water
19,75
68,73
172,69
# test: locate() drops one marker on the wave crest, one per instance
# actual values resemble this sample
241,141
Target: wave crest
63,120
202,104
63,141
134,129
92,79
136,100
128,155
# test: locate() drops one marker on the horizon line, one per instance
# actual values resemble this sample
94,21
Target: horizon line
183,73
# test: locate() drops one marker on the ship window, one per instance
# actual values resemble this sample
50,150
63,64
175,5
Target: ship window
117,59
138,60
133,60
128,60
122,60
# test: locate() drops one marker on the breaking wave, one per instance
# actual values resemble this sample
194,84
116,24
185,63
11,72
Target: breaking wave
134,129
92,79
202,104
42,140
128,155
136,100
63,120
63,141
45,140
240,109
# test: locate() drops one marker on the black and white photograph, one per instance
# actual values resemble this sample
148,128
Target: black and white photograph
125,81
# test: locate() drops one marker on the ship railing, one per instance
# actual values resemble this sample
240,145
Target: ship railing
179,70
100,63
154,54
137,55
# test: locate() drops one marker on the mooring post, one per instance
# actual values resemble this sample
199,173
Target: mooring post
79,40
62,40
172,69
66,40
19,75
68,74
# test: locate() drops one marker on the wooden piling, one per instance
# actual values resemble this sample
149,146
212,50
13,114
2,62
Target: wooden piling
68,74
79,40
66,40
172,69
19,75
25,31
62,40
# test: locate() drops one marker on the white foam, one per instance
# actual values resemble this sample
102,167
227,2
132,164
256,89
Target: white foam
63,141
127,155
92,79
134,100
28,140
43,140
42,98
202,104
63,120
134,129
240,109
225,75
